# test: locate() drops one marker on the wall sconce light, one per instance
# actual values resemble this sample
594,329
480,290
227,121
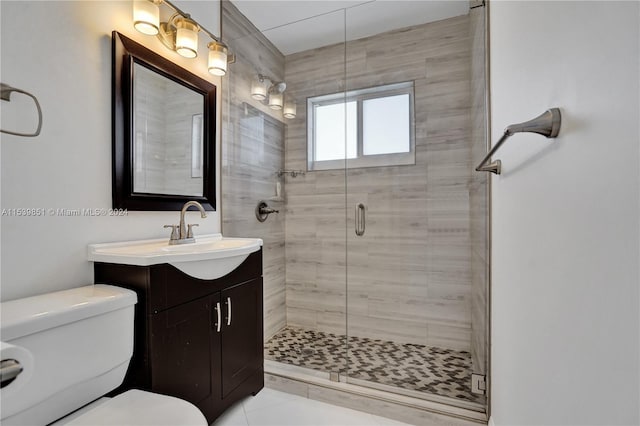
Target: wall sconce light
289,110
180,33
273,94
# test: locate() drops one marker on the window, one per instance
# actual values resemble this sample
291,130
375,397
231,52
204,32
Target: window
367,127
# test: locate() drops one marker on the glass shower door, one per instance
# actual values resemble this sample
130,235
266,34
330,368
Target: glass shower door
413,208
375,269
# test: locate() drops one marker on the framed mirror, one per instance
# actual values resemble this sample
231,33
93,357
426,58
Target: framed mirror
163,132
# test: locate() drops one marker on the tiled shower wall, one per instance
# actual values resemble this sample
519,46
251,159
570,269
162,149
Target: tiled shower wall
162,165
179,156
409,276
252,153
478,195
149,170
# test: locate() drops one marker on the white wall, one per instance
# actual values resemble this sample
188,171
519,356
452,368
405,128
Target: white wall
61,52
565,316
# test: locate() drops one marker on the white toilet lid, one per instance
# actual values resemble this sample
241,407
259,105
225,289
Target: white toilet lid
140,408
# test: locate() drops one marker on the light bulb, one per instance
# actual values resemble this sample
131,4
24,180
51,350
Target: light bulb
275,100
289,109
187,37
146,16
217,58
259,89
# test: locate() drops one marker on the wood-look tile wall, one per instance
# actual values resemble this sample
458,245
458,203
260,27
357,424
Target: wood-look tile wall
252,153
150,144
179,127
478,195
410,274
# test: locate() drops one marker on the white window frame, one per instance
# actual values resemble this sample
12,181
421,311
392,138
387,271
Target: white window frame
361,160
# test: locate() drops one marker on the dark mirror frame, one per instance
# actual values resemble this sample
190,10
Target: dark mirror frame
125,53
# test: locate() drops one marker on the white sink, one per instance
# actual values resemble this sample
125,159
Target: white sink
221,245
211,256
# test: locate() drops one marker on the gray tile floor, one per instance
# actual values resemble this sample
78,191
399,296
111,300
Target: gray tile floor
438,371
270,407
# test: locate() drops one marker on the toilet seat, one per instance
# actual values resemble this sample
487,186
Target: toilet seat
140,408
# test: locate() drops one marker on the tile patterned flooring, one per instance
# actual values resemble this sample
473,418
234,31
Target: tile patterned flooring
438,371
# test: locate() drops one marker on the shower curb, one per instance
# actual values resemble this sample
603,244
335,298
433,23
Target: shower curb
314,385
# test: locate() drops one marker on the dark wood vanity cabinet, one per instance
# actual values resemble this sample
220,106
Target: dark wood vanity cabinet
199,340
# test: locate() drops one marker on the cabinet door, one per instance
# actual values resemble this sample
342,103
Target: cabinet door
182,351
242,346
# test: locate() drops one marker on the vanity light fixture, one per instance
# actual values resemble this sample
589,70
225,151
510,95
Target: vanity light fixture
187,37
146,16
218,54
273,94
289,109
259,88
275,100
180,33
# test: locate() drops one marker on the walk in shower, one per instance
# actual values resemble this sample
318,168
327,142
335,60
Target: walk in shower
376,264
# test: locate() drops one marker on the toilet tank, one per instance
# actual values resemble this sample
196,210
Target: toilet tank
75,347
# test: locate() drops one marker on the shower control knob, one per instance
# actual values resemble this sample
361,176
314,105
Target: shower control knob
263,211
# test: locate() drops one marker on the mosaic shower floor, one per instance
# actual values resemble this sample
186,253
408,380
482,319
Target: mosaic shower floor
438,371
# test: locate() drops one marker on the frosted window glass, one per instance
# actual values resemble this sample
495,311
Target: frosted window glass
330,131
385,125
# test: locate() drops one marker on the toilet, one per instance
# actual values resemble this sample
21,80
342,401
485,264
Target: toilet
72,347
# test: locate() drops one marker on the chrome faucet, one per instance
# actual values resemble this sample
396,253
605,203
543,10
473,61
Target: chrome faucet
181,234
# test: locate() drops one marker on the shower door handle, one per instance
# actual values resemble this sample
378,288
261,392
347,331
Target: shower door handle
360,219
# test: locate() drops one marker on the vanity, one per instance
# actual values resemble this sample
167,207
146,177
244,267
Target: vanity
199,317
198,320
